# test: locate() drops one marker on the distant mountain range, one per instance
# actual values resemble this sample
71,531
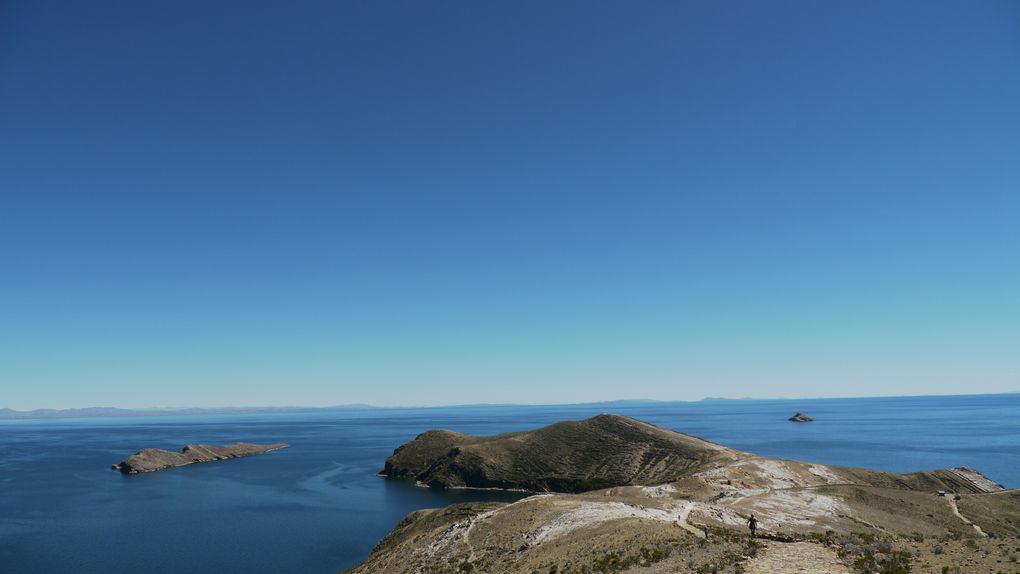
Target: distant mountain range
92,412
96,412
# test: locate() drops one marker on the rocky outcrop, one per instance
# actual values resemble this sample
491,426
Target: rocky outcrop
153,459
976,480
801,418
572,456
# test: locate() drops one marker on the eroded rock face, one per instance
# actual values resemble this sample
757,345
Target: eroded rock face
801,418
974,479
571,456
153,459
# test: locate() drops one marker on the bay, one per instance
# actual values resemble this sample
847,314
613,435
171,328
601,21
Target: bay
318,506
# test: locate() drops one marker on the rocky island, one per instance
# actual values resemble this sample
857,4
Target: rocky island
153,459
614,494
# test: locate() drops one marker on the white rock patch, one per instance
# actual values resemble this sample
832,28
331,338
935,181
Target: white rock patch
718,513
592,513
796,507
826,474
776,473
661,491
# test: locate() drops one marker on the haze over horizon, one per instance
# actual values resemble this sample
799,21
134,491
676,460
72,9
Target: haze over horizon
416,203
359,406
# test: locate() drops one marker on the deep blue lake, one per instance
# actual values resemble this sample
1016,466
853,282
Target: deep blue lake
318,507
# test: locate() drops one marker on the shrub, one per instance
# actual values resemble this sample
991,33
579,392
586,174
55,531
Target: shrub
895,562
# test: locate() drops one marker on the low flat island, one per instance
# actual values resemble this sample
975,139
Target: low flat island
153,459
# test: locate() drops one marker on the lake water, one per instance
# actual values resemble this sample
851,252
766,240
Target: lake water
318,507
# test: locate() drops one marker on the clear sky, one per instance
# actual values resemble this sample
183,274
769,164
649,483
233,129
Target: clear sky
314,203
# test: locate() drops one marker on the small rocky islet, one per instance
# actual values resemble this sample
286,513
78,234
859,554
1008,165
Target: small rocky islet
617,495
155,459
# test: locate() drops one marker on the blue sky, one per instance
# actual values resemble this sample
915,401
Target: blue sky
251,203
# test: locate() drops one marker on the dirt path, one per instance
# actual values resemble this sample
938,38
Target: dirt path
956,511
795,558
682,520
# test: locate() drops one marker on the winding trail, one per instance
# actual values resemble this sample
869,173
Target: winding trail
956,511
682,520
795,558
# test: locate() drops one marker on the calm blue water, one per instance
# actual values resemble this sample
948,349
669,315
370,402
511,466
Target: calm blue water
317,507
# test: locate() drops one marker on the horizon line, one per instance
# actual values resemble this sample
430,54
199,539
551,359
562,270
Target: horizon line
112,412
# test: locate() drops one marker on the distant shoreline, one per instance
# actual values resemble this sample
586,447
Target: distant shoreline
114,412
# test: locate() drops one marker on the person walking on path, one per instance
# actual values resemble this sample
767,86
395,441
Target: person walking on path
752,523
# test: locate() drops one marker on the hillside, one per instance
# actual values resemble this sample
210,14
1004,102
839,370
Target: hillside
669,490
571,456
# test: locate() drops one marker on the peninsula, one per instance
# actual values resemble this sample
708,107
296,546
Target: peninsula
569,456
153,459
614,494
